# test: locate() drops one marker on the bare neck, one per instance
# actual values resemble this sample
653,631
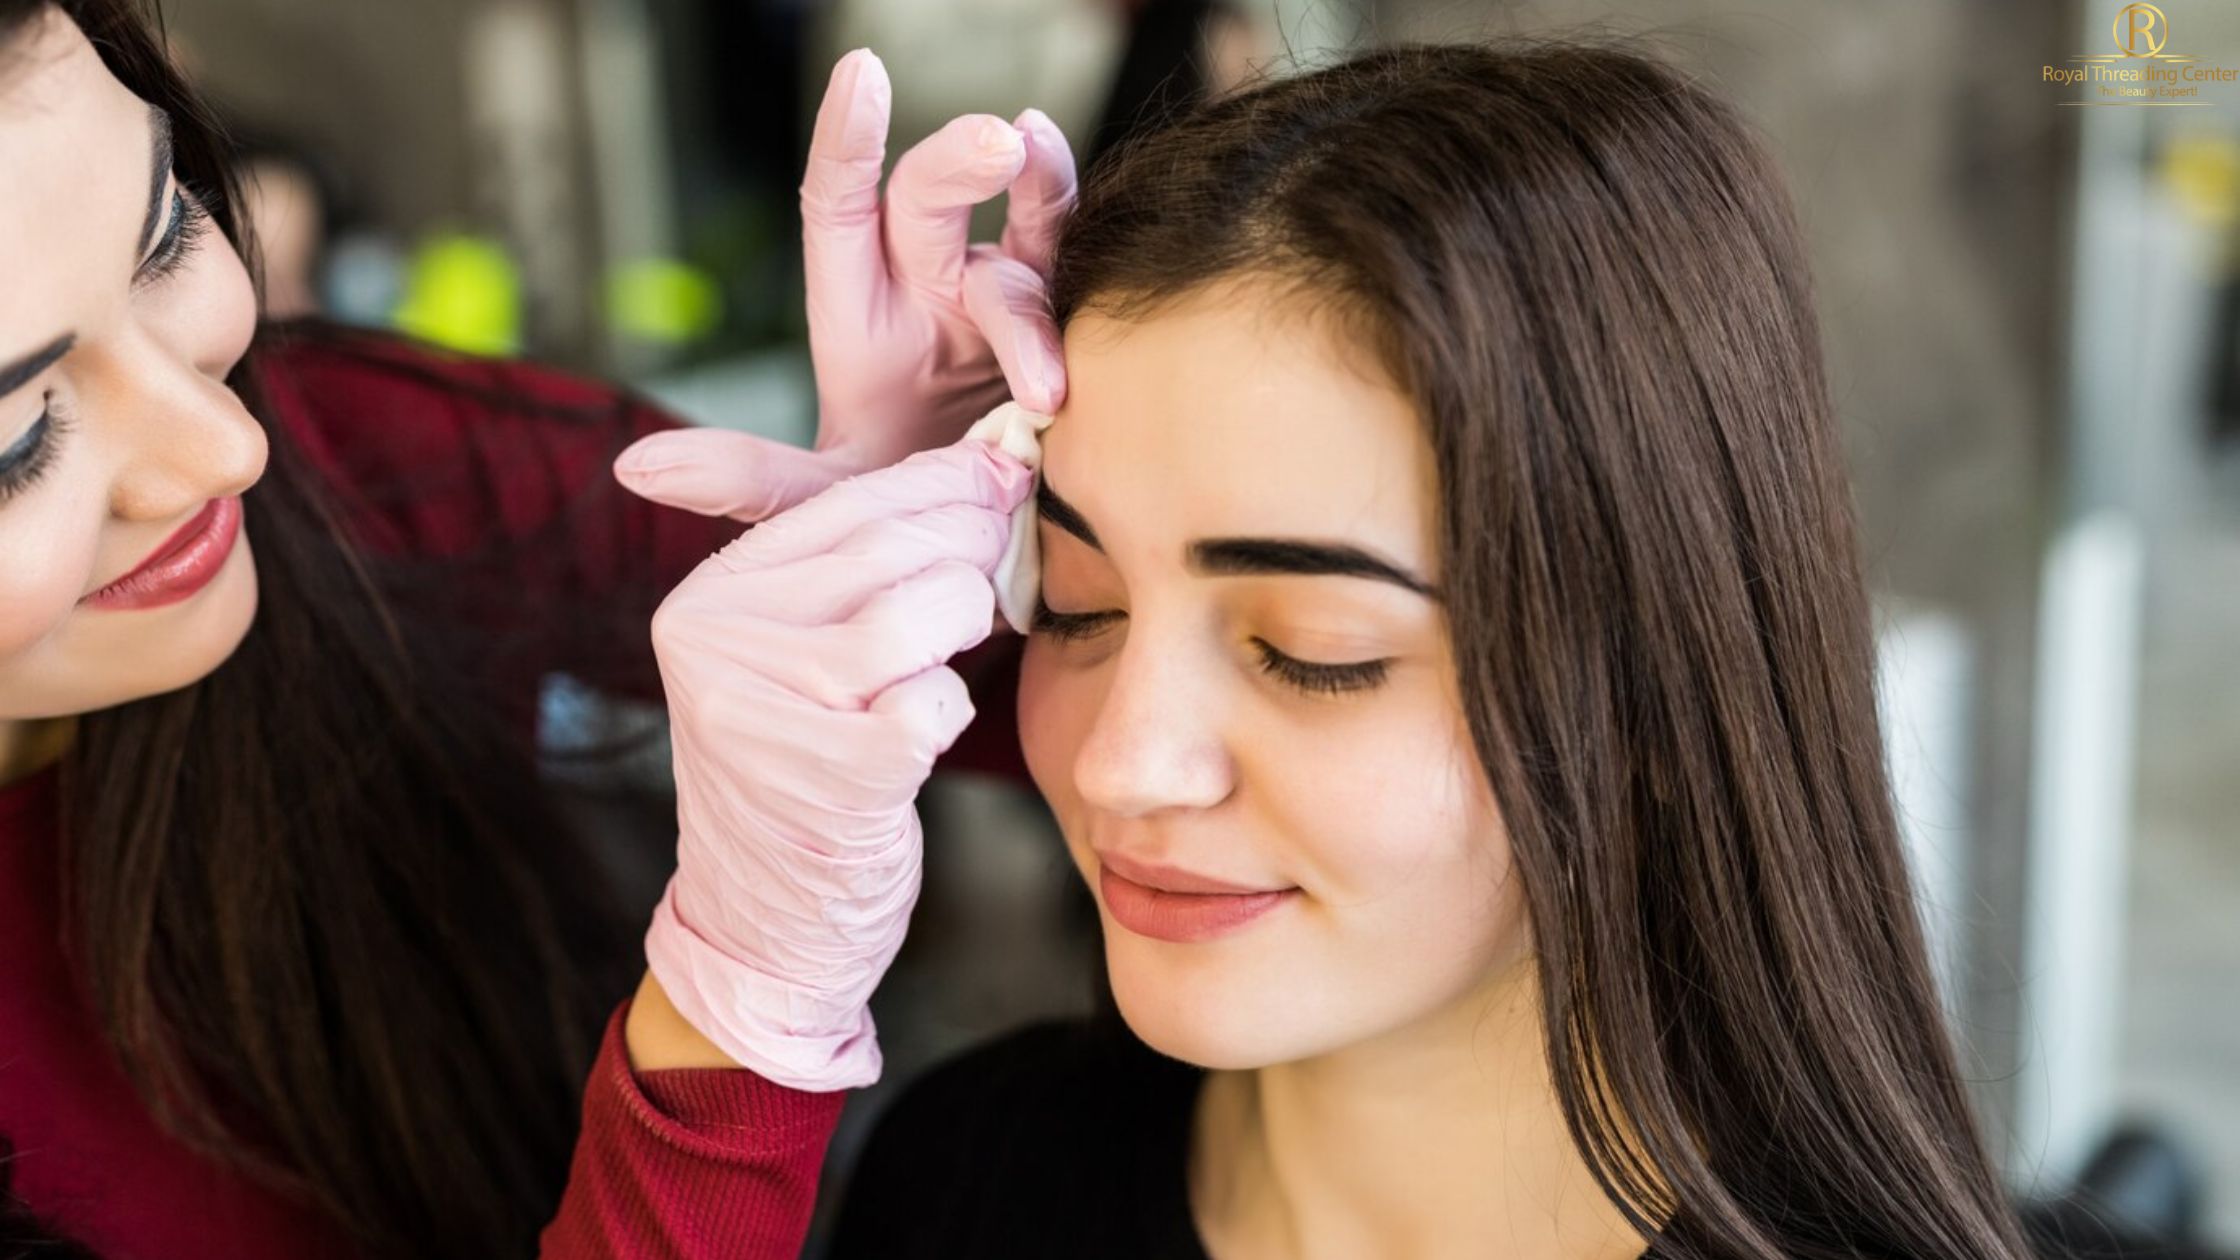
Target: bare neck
1440,1139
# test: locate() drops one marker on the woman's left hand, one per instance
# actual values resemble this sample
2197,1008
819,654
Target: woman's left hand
914,332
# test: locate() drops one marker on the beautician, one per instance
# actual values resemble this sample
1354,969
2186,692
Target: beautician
301,959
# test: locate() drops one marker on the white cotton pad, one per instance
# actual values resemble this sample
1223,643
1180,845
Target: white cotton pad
1018,576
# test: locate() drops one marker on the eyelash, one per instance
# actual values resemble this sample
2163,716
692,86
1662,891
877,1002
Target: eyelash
1304,676
23,464
38,445
189,223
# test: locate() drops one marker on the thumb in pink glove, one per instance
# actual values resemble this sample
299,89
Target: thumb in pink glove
809,697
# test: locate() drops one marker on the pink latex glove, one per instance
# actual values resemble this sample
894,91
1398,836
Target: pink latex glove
808,698
914,333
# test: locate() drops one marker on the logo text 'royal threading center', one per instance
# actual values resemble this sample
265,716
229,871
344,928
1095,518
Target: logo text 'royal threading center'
2142,71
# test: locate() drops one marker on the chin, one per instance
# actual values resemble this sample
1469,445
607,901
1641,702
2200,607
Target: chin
1213,1016
240,607
1165,1026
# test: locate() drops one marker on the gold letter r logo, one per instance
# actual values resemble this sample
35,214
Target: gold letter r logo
2138,24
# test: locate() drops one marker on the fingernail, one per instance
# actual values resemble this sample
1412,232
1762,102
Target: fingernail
642,456
867,105
996,136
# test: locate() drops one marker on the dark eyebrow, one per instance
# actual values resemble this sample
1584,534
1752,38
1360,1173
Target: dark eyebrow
13,375
1239,557
159,136
1228,557
1060,513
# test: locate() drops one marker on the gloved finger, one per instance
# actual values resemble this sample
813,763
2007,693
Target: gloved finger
1043,195
842,247
912,626
929,711
1009,303
722,472
833,586
843,805
797,896
935,186
965,471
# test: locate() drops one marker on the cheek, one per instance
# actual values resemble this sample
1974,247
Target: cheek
48,546
1380,804
1054,713
1416,901
86,661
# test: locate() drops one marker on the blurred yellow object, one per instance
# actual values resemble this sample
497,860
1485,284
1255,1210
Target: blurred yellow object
663,302
2203,172
464,293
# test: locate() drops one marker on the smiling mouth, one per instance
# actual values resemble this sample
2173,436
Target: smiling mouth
1183,917
1170,904
1173,879
182,565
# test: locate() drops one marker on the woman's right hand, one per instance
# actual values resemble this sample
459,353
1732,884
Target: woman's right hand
809,695
915,332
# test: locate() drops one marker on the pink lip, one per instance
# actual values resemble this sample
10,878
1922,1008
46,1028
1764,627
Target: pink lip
184,564
1170,904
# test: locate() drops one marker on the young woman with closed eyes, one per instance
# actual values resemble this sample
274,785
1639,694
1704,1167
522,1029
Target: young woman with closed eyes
1454,685
1545,902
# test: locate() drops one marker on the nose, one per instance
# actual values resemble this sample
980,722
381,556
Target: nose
1158,740
188,437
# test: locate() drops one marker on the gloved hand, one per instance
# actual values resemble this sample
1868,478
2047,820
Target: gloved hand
912,331
808,700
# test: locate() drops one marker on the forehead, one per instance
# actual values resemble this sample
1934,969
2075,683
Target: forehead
1241,409
74,159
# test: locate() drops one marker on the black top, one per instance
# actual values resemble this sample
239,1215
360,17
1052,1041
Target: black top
1065,1138
1071,1139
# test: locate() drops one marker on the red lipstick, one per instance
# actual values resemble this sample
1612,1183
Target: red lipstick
183,565
1171,904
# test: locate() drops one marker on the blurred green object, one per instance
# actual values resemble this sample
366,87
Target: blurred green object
464,293
663,302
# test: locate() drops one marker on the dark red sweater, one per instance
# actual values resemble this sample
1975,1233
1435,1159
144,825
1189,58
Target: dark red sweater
671,1163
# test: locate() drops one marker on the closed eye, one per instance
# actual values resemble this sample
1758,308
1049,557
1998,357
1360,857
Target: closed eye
29,458
182,235
1318,678
1311,677
1067,626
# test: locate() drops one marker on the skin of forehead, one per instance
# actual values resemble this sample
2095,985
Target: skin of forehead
1266,486
73,150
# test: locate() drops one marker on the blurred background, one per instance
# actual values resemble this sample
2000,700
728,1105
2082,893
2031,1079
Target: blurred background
2031,310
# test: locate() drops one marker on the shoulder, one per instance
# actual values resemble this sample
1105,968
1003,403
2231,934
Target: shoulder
432,452
331,370
363,402
1060,1131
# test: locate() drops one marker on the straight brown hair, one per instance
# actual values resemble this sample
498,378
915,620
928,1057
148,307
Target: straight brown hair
1585,270
332,926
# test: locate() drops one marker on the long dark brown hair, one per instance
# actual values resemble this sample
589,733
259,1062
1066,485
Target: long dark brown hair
1585,270
332,926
